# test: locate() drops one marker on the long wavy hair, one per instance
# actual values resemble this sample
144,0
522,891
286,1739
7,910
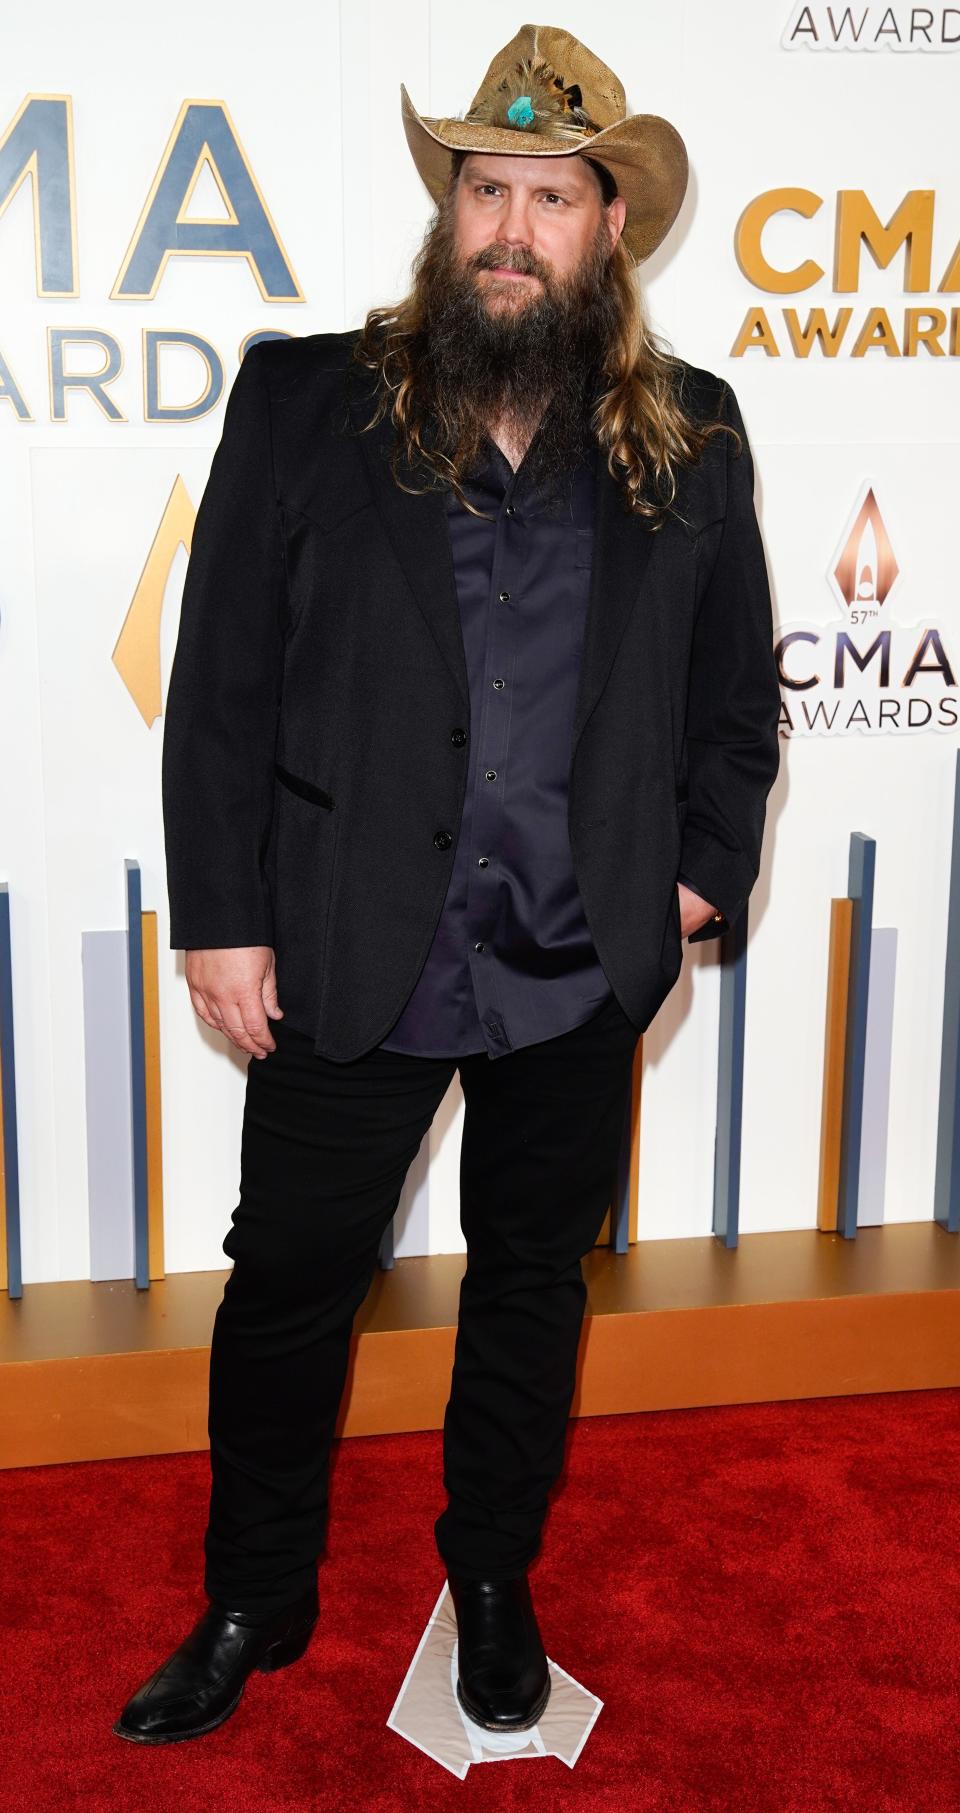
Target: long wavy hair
638,418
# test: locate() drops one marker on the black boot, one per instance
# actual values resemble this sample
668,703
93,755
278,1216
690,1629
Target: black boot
503,1678
202,1682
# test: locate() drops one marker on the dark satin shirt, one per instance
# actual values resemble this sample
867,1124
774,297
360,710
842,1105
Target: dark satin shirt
512,960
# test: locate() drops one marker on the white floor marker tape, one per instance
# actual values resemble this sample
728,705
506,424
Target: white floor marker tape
428,1714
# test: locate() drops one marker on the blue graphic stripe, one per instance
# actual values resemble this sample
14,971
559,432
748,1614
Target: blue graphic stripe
729,1135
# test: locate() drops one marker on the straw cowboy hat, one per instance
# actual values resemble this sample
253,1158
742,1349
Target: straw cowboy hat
546,94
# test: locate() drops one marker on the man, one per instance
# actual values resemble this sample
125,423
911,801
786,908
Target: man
472,719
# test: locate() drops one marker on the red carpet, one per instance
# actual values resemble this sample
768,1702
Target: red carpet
766,1598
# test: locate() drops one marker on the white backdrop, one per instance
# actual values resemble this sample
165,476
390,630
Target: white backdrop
313,95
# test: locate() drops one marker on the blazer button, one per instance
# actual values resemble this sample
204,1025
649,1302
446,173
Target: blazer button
442,839
458,737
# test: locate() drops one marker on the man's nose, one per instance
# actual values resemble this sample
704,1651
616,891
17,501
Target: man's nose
515,221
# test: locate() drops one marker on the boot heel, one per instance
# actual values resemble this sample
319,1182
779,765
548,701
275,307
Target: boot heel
289,1649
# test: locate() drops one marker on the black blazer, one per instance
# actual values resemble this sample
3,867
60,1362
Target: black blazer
313,773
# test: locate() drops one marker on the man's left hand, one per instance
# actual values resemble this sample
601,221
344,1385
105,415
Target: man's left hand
694,910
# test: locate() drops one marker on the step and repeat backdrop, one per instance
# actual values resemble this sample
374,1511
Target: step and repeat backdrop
167,198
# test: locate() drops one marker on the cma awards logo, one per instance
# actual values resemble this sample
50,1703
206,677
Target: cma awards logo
773,244
791,239
868,27
204,202
866,567
886,677
136,653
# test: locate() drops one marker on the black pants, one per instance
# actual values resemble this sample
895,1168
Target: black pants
325,1149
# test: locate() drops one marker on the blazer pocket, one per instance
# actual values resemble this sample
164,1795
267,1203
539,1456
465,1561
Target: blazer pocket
306,789
327,522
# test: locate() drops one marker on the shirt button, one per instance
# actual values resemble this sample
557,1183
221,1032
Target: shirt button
479,947
510,510
498,684
491,774
442,839
504,597
482,862
458,736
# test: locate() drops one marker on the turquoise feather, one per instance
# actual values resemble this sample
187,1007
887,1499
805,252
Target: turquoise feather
520,112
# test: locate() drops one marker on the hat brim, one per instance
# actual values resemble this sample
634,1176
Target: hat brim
645,154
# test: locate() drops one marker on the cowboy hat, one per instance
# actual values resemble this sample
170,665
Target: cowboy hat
546,94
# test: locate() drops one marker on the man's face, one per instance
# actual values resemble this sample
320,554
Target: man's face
523,224
518,312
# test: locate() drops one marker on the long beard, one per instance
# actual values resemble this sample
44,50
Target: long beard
530,365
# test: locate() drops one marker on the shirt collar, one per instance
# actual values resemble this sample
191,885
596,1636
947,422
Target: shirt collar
494,477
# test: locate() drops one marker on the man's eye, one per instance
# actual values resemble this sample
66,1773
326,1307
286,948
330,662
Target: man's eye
488,187
554,198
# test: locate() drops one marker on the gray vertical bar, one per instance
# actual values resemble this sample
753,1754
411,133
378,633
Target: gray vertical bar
728,1139
863,853
411,1218
876,1077
138,1074
8,1104
106,1019
946,1188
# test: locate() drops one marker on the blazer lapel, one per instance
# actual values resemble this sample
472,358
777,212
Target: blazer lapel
622,545
417,530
